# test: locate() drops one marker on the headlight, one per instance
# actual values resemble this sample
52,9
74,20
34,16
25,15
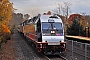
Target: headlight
52,31
62,40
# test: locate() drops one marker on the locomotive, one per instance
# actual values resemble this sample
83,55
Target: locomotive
46,32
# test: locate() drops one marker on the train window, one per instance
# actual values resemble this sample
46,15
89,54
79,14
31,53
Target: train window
46,25
57,25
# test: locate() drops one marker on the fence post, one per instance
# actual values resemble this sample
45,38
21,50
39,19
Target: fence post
72,49
85,51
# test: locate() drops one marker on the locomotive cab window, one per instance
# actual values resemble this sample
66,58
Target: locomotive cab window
49,27
57,25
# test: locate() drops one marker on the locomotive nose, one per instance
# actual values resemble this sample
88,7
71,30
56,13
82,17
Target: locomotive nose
52,38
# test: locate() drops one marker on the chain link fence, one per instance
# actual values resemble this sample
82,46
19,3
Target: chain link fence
77,50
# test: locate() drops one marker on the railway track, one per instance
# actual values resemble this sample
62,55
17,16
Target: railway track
42,56
56,57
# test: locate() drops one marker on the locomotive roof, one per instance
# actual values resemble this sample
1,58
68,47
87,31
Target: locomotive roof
45,18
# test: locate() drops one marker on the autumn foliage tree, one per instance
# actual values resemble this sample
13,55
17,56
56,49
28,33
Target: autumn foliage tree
76,29
6,10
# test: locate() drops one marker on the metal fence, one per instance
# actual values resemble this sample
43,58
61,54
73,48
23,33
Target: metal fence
77,50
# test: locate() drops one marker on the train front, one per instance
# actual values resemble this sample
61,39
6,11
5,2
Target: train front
53,35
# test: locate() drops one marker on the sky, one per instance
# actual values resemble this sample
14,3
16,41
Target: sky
34,7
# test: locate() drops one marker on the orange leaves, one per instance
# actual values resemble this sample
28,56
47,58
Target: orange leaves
5,29
6,10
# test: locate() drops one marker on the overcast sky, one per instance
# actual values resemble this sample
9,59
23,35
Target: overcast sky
34,7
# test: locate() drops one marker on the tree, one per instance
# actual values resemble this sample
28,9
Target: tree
6,10
62,9
76,29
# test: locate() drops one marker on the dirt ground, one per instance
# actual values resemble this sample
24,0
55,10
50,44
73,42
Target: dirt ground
7,52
